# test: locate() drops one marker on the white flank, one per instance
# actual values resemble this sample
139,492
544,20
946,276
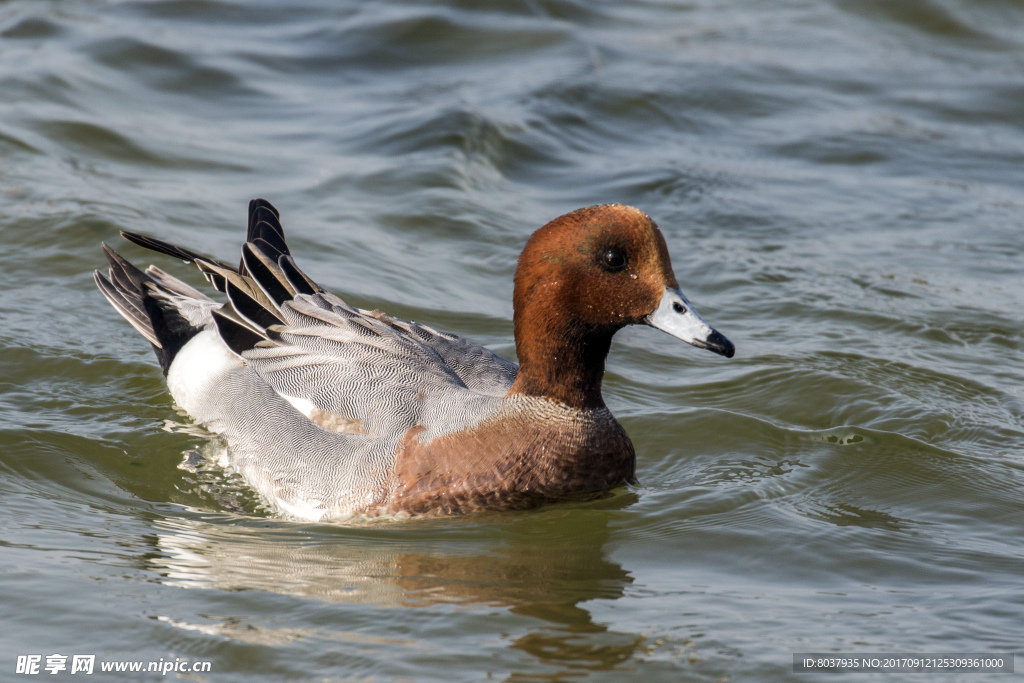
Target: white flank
197,368
302,510
303,405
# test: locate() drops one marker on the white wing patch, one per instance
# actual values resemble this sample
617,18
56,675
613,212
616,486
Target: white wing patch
325,419
303,405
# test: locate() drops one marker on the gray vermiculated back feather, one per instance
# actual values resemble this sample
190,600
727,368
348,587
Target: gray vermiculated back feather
479,368
350,363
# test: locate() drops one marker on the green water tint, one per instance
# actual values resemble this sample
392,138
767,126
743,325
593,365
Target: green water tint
839,188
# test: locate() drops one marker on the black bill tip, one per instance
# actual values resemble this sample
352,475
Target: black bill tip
719,344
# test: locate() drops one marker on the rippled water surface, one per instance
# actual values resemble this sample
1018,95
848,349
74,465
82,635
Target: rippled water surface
841,185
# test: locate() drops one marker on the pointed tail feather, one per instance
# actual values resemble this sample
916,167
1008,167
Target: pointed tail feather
267,274
183,253
168,312
164,310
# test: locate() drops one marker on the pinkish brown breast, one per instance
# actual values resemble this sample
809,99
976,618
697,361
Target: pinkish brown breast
534,451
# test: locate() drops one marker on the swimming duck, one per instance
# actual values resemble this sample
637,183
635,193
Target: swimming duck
331,410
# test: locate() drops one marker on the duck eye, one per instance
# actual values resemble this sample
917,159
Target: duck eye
614,260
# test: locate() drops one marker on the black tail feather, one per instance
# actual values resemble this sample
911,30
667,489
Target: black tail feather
238,336
267,274
131,309
251,308
162,247
262,211
122,273
298,279
148,305
260,202
170,326
266,278
266,235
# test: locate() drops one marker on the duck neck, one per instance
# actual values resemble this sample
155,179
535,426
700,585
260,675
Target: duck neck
564,363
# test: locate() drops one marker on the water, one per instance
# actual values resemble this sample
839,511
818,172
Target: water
840,185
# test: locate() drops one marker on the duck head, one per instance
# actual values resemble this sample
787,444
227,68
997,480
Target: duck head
580,279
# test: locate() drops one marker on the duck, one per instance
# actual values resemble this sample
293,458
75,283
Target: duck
331,411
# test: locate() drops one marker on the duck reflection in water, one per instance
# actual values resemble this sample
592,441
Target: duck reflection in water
542,565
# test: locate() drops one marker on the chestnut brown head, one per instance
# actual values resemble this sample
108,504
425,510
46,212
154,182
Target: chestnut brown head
587,274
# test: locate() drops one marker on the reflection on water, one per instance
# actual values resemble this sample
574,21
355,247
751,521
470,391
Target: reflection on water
545,572
850,515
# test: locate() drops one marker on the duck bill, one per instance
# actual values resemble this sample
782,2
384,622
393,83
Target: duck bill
676,315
